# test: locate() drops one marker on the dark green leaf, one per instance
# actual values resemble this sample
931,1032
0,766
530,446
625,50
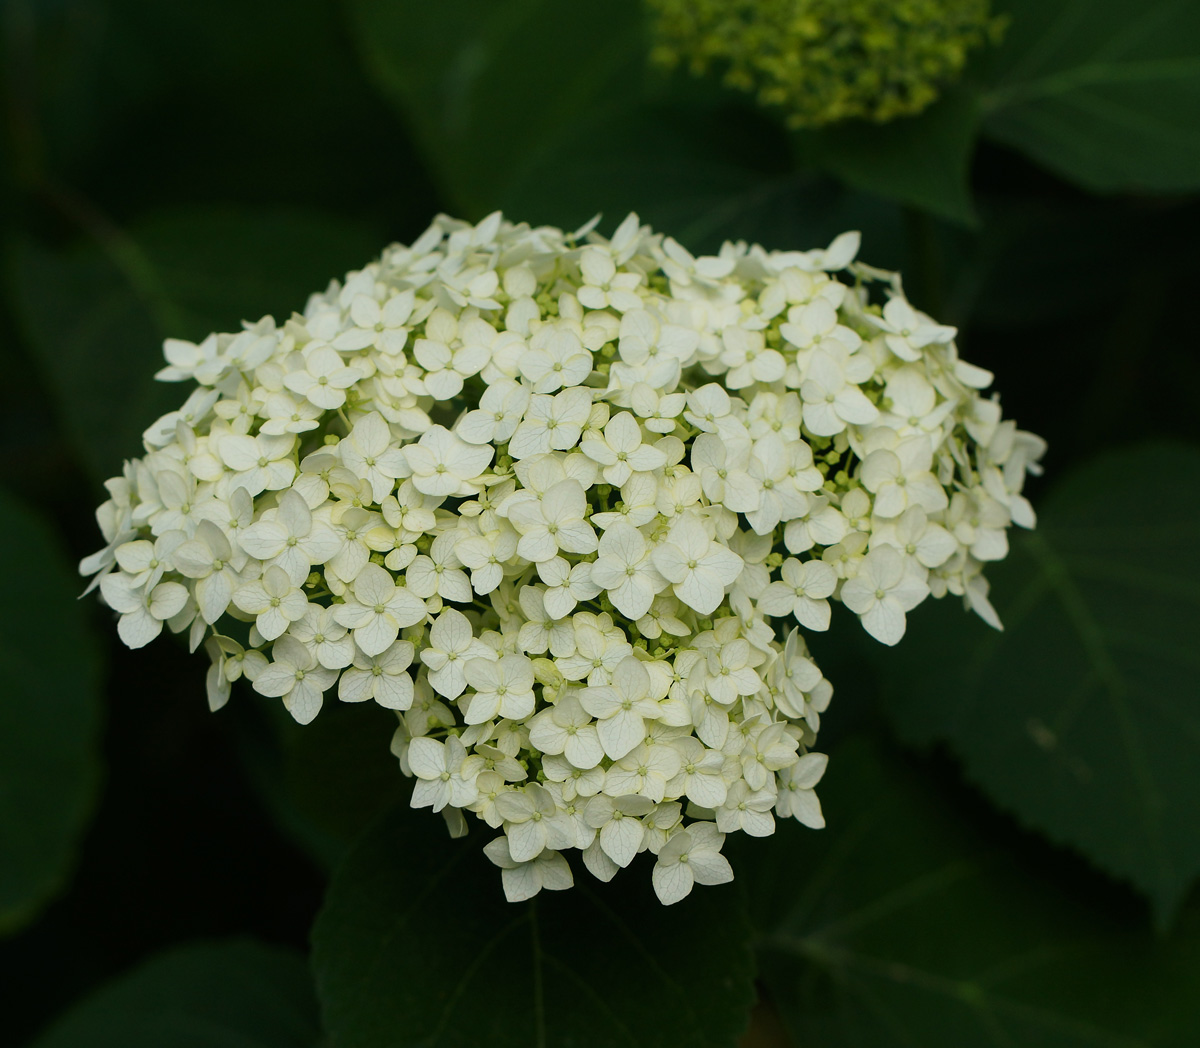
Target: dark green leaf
495,90
323,782
924,161
416,937
237,994
910,922
1104,92
587,131
96,316
1081,717
49,717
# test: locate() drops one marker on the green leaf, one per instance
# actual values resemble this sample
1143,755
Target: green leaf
1081,717
49,717
415,936
237,994
592,132
1103,92
493,90
323,782
924,160
95,316
911,921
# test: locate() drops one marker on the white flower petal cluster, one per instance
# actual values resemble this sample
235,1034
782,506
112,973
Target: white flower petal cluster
570,505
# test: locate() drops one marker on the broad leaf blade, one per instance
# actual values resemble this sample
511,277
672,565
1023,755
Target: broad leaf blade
923,160
416,936
1082,717
49,717
1104,92
907,923
493,90
237,994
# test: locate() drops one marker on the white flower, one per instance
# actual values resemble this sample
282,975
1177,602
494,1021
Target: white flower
327,638
645,770
901,477
259,464
909,332
438,767
450,645
701,774
618,820
698,568
324,379
446,360
290,538
381,677
503,688
295,676
552,422
624,569
887,585
797,798
621,706
275,601
443,464
567,728
801,592
500,411
439,572
531,822
554,522
690,856
831,395
143,609
378,610
523,880
621,451
368,452
556,358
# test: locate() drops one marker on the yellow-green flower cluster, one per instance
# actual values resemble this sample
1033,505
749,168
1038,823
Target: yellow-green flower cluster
826,60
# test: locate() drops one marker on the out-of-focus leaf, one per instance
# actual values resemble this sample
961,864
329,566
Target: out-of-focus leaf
1103,92
904,923
237,994
202,101
1082,716
546,110
323,782
415,936
95,317
923,160
495,91
49,717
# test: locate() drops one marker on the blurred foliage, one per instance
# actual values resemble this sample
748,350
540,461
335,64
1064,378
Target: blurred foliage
213,995
916,921
597,965
173,169
49,719
1074,717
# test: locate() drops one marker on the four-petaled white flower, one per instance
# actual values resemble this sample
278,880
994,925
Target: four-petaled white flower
697,568
620,707
295,676
378,610
690,856
887,585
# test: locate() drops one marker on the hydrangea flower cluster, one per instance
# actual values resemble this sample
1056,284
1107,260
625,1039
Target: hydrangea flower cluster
823,61
570,506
